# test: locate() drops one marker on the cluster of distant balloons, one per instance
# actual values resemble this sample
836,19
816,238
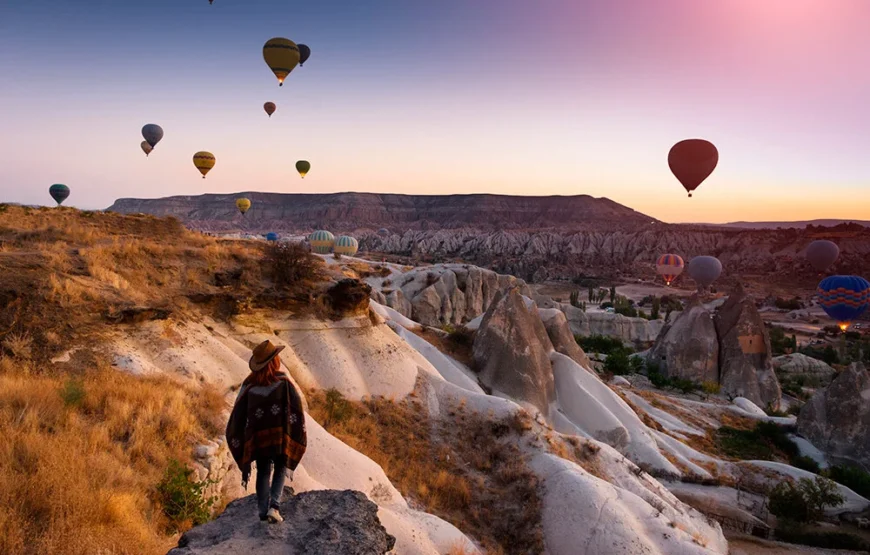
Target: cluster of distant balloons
843,298
281,55
324,242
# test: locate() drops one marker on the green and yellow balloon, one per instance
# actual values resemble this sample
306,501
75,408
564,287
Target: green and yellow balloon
346,245
303,167
321,241
282,56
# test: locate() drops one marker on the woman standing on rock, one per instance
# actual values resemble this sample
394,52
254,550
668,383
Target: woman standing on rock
267,426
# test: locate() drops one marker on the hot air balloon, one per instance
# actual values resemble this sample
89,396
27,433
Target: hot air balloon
204,161
146,148
243,205
822,254
270,108
692,161
346,245
281,55
303,167
705,270
58,192
669,266
304,54
321,241
152,133
383,232
844,298
271,236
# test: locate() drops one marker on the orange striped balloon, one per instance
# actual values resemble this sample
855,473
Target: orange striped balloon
669,266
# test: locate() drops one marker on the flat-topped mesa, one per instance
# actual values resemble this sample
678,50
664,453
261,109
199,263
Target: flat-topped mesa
397,212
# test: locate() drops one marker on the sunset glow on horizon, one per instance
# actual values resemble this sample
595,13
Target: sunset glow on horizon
502,97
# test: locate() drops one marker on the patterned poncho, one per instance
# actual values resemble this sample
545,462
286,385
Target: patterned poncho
267,422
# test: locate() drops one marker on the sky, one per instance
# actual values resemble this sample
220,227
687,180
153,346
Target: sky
553,97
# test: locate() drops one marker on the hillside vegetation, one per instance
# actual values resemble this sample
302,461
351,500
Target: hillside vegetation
85,444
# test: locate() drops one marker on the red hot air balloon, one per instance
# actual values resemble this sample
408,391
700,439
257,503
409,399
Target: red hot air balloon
270,108
692,161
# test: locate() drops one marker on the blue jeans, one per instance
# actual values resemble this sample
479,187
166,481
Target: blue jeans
269,497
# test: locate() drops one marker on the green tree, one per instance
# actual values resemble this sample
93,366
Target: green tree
613,294
575,298
656,307
591,293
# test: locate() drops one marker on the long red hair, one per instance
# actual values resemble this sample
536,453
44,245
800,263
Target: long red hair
267,376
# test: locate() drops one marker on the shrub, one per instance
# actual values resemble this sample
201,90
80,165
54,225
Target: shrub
289,263
601,344
618,363
788,304
852,477
461,337
710,387
806,501
183,498
806,463
575,298
656,308
72,392
337,408
781,344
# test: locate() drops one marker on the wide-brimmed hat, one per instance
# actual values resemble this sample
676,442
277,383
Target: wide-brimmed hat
263,354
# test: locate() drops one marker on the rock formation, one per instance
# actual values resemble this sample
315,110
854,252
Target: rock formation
326,522
837,418
688,348
797,366
561,337
447,293
745,361
629,330
511,351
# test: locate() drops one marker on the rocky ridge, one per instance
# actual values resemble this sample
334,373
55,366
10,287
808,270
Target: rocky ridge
326,522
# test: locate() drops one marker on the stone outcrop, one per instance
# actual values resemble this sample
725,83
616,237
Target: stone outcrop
811,371
745,361
688,348
448,293
629,330
837,418
561,337
326,522
511,351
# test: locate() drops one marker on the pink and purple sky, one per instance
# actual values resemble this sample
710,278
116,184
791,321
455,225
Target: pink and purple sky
495,96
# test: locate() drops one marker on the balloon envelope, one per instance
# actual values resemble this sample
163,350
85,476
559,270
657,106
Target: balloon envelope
58,192
346,245
303,167
383,231
304,53
204,161
152,133
243,204
321,241
270,108
271,236
692,161
146,148
822,254
669,266
705,270
844,298
281,55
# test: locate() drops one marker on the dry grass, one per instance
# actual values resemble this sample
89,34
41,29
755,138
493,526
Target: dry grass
64,269
467,468
82,453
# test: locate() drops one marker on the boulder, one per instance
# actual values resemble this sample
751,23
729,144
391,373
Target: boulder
511,351
561,337
836,419
577,320
813,372
398,302
629,330
326,522
745,361
688,348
